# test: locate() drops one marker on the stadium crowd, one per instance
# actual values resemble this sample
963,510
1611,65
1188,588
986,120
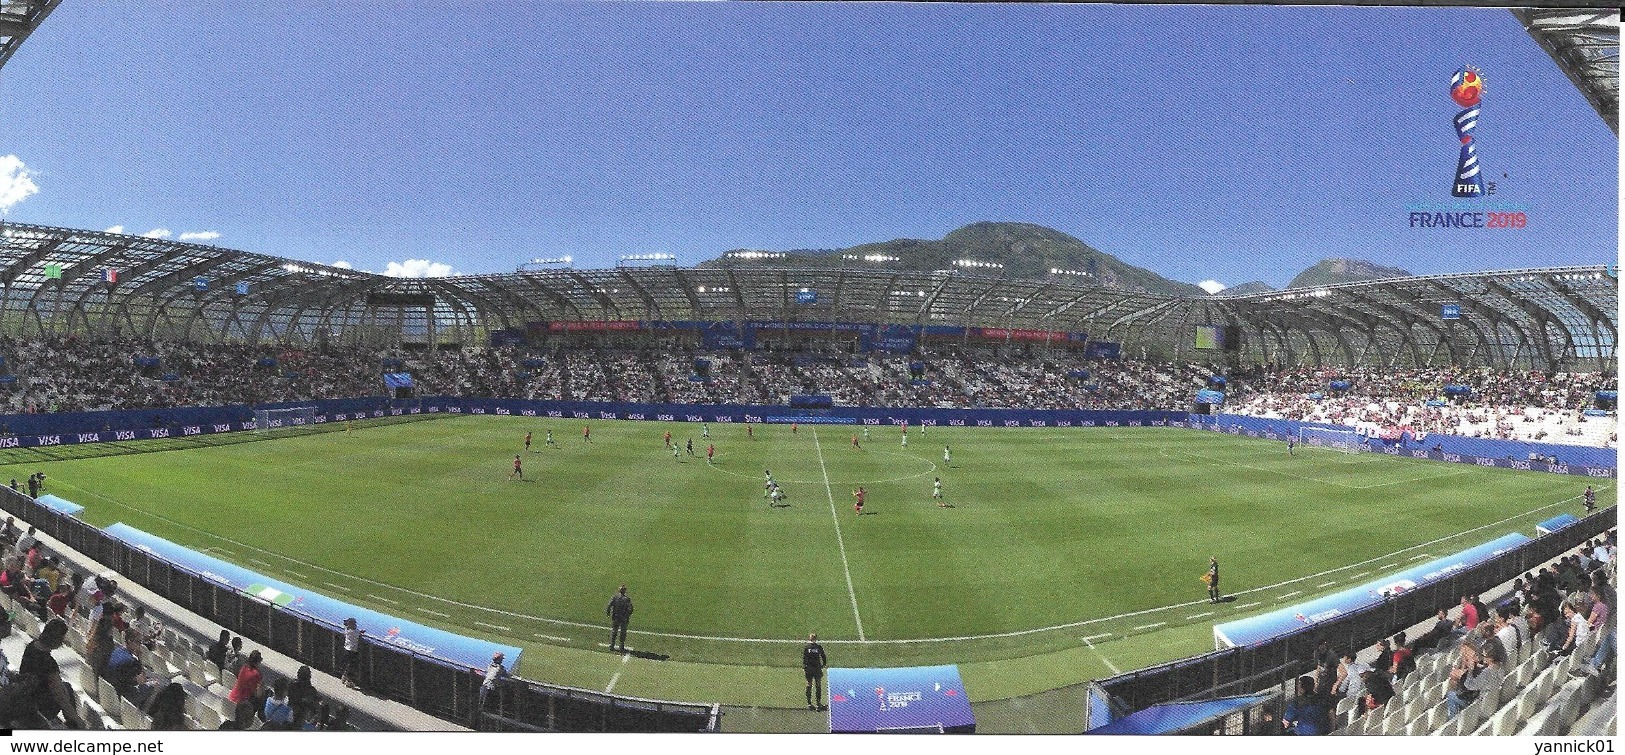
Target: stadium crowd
74,374
1563,610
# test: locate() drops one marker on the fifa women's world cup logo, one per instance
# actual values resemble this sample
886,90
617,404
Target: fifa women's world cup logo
1467,89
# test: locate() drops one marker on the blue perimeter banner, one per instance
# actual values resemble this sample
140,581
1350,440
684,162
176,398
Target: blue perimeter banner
381,628
1285,621
868,700
1556,523
59,505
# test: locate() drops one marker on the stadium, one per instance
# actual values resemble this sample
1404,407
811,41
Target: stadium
996,481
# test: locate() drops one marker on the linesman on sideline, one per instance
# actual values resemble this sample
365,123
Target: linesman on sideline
1212,579
813,662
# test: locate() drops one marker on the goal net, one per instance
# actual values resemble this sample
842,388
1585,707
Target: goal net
1347,441
282,420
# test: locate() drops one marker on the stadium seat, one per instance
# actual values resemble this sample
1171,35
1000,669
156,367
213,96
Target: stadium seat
107,696
1451,728
208,718
132,717
1471,716
1394,725
228,680
1417,728
1505,722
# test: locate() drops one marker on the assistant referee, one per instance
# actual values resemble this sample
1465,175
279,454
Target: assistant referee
813,661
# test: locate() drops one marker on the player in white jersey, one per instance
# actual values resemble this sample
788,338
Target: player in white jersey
947,456
936,492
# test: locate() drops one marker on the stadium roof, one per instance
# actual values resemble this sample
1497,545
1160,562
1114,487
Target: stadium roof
1585,44
18,19
1546,319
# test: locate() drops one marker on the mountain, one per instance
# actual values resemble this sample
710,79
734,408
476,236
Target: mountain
1250,287
1027,251
1331,271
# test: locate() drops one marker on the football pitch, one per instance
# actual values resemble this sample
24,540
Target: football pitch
1062,555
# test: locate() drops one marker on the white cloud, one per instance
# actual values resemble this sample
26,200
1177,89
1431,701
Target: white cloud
418,269
1212,286
114,229
156,233
344,265
199,236
16,182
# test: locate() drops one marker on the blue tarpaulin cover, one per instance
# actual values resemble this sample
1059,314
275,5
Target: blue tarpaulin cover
1555,523
381,628
59,505
1284,621
1170,718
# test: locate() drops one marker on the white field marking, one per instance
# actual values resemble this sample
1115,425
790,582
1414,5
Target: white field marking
1392,565
1097,636
606,645
1361,574
337,587
1148,626
434,613
715,468
1419,556
1326,584
1288,595
778,641
257,561
386,600
836,515
1198,616
617,676
1103,658
297,574
497,627
221,550
550,637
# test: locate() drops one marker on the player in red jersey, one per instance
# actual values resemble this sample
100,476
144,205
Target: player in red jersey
855,443
527,442
586,433
859,495
792,428
750,432
668,439
710,451
518,469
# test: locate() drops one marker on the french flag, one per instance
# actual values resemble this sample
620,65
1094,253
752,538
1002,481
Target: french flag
110,276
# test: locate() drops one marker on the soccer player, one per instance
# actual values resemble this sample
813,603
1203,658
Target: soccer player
750,432
586,433
859,495
550,438
710,451
668,439
793,428
865,432
690,446
705,429
527,442
813,662
777,495
1591,499
518,469
936,492
855,443
676,452
947,456
1291,443
922,429
348,426
905,439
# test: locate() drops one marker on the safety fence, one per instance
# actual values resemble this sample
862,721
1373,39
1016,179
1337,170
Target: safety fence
1245,669
429,684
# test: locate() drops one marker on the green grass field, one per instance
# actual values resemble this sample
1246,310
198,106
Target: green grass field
1053,536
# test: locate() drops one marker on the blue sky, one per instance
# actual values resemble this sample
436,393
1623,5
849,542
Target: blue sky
1224,143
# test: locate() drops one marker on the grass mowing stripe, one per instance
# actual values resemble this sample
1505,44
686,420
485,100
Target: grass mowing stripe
836,515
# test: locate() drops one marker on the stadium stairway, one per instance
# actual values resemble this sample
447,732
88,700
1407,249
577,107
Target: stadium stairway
182,654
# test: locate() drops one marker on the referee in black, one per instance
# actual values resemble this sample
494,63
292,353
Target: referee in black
813,662
1213,580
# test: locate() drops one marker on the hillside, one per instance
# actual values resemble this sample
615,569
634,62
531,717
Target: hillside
1332,271
1026,251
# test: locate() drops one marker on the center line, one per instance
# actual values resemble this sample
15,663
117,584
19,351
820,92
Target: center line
830,493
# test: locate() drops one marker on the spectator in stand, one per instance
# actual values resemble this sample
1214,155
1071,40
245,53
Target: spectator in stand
1309,714
1469,613
99,645
1477,671
247,690
352,653
234,656
51,696
494,673
302,696
1350,682
149,627
1578,628
1379,689
168,708
59,601
278,712
216,653
1404,661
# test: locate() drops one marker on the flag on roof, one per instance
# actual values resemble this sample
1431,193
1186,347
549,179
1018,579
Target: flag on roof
110,276
53,271
201,283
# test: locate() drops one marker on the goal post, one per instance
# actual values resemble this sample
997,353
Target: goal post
1346,441
281,420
